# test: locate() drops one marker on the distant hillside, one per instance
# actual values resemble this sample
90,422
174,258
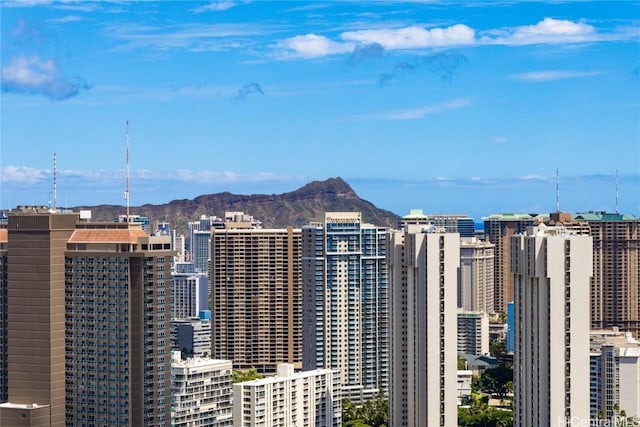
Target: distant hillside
296,208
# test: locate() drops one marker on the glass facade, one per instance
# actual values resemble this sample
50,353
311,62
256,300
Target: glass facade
346,287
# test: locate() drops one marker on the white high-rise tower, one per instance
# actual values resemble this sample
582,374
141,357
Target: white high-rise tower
551,271
423,267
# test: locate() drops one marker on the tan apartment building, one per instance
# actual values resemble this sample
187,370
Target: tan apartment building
3,315
37,240
255,281
85,330
615,285
498,229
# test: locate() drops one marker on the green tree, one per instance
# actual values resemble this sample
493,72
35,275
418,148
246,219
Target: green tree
372,413
480,414
497,381
462,364
245,375
497,347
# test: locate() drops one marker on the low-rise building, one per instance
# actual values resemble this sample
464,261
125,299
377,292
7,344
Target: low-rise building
201,392
308,398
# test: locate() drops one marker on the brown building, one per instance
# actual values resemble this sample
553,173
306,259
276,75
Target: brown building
498,229
117,326
615,286
256,285
3,315
85,322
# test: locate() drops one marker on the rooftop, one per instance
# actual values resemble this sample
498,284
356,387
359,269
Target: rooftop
604,216
106,235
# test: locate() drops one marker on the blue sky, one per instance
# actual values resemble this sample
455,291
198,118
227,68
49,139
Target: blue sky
452,107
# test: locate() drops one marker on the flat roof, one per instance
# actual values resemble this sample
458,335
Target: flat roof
88,235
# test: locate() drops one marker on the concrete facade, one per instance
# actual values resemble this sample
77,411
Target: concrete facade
303,399
551,269
423,276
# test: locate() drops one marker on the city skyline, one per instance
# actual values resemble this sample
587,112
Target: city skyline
474,106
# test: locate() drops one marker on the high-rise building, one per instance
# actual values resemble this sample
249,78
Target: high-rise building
35,316
551,269
191,337
85,306
615,375
117,304
199,241
303,399
256,287
476,279
423,275
201,392
460,224
473,332
189,294
498,229
615,286
345,302
178,243
4,395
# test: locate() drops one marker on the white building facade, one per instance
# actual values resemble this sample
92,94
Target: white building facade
615,374
473,332
423,275
189,294
201,392
551,272
303,399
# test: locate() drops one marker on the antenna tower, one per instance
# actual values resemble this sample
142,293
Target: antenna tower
557,190
126,191
55,183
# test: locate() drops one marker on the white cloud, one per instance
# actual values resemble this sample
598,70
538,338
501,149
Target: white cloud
419,113
499,139
549,30
216,6
68,18
414,37
22,174
194,37
312,46
31,74
536,177
551,75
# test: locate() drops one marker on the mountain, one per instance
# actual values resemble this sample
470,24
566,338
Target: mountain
295,208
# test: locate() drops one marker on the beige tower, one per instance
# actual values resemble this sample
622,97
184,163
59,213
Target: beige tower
551,271
423,327
498,229
37,240
615,286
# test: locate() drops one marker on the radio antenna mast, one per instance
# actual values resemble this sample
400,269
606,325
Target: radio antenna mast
55,184
557,190
126,191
